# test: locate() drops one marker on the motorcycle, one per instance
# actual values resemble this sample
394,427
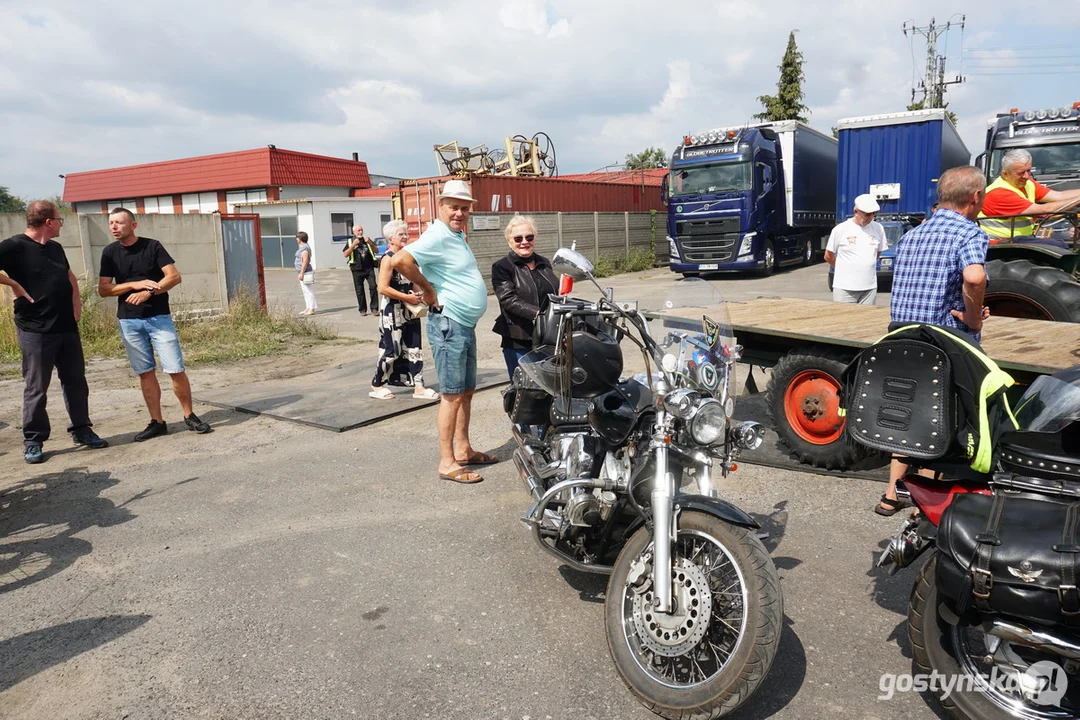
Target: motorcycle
693,607
993,612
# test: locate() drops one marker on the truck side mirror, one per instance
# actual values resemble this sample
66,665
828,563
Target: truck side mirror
980,161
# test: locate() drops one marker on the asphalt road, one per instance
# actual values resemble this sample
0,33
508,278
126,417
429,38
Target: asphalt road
271,570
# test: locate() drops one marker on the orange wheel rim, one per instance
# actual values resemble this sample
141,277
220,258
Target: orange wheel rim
812,407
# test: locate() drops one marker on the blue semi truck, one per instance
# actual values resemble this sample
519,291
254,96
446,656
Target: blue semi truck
897,158
750,198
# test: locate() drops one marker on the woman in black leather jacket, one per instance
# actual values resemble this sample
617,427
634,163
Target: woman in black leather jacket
522,281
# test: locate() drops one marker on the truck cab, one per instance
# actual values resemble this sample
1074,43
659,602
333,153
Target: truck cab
728,202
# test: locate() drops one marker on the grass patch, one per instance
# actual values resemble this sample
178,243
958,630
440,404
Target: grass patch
607,266
244,331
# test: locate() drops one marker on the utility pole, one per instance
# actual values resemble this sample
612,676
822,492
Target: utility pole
933,83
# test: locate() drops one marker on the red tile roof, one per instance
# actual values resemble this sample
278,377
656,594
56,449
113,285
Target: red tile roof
225,171
651,177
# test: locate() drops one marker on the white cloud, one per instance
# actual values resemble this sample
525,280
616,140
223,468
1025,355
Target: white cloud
389,80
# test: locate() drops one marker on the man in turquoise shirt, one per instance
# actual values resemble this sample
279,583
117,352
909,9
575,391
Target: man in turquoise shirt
443,266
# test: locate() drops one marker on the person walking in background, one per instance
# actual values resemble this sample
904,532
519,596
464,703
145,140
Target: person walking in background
47,311
305,273
139,272
522,281
853,250
361,253
940,278
443,266
401,361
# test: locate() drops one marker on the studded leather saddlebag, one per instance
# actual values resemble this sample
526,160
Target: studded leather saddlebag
900,399
1011,553
525,401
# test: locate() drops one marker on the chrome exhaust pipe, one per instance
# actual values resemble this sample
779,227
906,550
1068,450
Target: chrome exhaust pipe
1045,640
527,475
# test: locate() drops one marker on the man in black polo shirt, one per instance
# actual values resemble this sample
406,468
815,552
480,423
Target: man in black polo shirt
140,272
361,252
47,312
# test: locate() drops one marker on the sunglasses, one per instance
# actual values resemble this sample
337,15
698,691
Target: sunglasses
524,238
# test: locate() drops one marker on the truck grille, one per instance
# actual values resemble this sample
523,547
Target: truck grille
708,241
712,249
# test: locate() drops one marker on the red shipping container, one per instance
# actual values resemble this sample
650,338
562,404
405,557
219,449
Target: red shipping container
505,193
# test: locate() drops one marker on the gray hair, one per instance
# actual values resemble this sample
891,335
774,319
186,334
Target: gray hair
956,185
1019,156
519,219
393,227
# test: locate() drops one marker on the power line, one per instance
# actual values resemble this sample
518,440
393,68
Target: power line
1053,72
1032,47
1025,65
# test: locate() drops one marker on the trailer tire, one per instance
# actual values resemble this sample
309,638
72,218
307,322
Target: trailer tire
803,402
1020,288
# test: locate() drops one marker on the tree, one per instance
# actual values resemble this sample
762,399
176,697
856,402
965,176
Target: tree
787,103
652,157
10,203
920,106
58,200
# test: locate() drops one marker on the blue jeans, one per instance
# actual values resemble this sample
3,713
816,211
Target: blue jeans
513,356
453,346
142,336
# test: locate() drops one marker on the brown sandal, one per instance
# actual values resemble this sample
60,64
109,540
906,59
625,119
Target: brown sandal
462,475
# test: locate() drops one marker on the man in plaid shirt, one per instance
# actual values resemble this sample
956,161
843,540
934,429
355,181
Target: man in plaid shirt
939,278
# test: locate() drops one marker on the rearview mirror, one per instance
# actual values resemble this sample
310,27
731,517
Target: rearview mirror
572,263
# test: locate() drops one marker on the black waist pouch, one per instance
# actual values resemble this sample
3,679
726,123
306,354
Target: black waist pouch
1013,554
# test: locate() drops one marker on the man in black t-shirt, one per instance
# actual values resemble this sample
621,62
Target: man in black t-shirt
361,252
140,272
47,312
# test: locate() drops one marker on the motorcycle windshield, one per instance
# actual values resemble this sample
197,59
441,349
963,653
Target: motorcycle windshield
540,367
696,334
1050,403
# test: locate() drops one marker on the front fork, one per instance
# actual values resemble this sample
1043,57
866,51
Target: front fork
663,505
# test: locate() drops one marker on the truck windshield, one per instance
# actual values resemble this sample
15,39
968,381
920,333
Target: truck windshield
1045,160
719,177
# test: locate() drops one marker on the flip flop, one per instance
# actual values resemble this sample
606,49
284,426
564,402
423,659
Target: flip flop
480,459
462,475
428,394
381,394
894,506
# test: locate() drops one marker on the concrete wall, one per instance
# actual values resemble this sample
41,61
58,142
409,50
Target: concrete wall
194,241
612,235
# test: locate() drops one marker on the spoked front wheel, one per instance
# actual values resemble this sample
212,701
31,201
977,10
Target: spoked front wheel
709,655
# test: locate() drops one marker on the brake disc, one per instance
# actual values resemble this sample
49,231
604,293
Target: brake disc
677,633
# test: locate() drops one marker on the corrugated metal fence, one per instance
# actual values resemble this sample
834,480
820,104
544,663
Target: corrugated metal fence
595,235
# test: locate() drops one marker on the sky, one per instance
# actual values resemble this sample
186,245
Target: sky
93,84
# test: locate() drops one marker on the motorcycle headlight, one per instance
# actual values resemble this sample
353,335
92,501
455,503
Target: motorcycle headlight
709,422
681,403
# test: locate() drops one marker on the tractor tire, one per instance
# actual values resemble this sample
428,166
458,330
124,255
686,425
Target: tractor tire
803,401
1020,288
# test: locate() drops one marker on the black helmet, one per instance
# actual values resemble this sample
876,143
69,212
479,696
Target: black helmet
1047,442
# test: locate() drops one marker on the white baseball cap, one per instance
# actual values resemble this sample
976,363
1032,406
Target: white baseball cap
867,203
457,189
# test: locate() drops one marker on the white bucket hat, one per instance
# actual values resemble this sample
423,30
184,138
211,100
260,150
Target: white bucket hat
867,203
457,189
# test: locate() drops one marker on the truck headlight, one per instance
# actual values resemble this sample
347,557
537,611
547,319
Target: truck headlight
709,422
673,252
747,243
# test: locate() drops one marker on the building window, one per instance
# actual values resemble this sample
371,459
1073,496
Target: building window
341,226
383,219
235,197
278,240
129,204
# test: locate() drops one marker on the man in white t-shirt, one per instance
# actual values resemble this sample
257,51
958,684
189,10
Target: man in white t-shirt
853,250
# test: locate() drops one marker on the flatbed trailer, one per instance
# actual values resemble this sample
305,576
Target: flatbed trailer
807,343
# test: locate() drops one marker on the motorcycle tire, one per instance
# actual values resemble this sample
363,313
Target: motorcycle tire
753,651
933,650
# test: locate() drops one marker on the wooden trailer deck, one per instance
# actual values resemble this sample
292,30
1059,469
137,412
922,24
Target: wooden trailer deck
768,327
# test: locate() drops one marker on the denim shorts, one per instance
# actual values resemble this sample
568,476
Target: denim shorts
142,336
453,345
